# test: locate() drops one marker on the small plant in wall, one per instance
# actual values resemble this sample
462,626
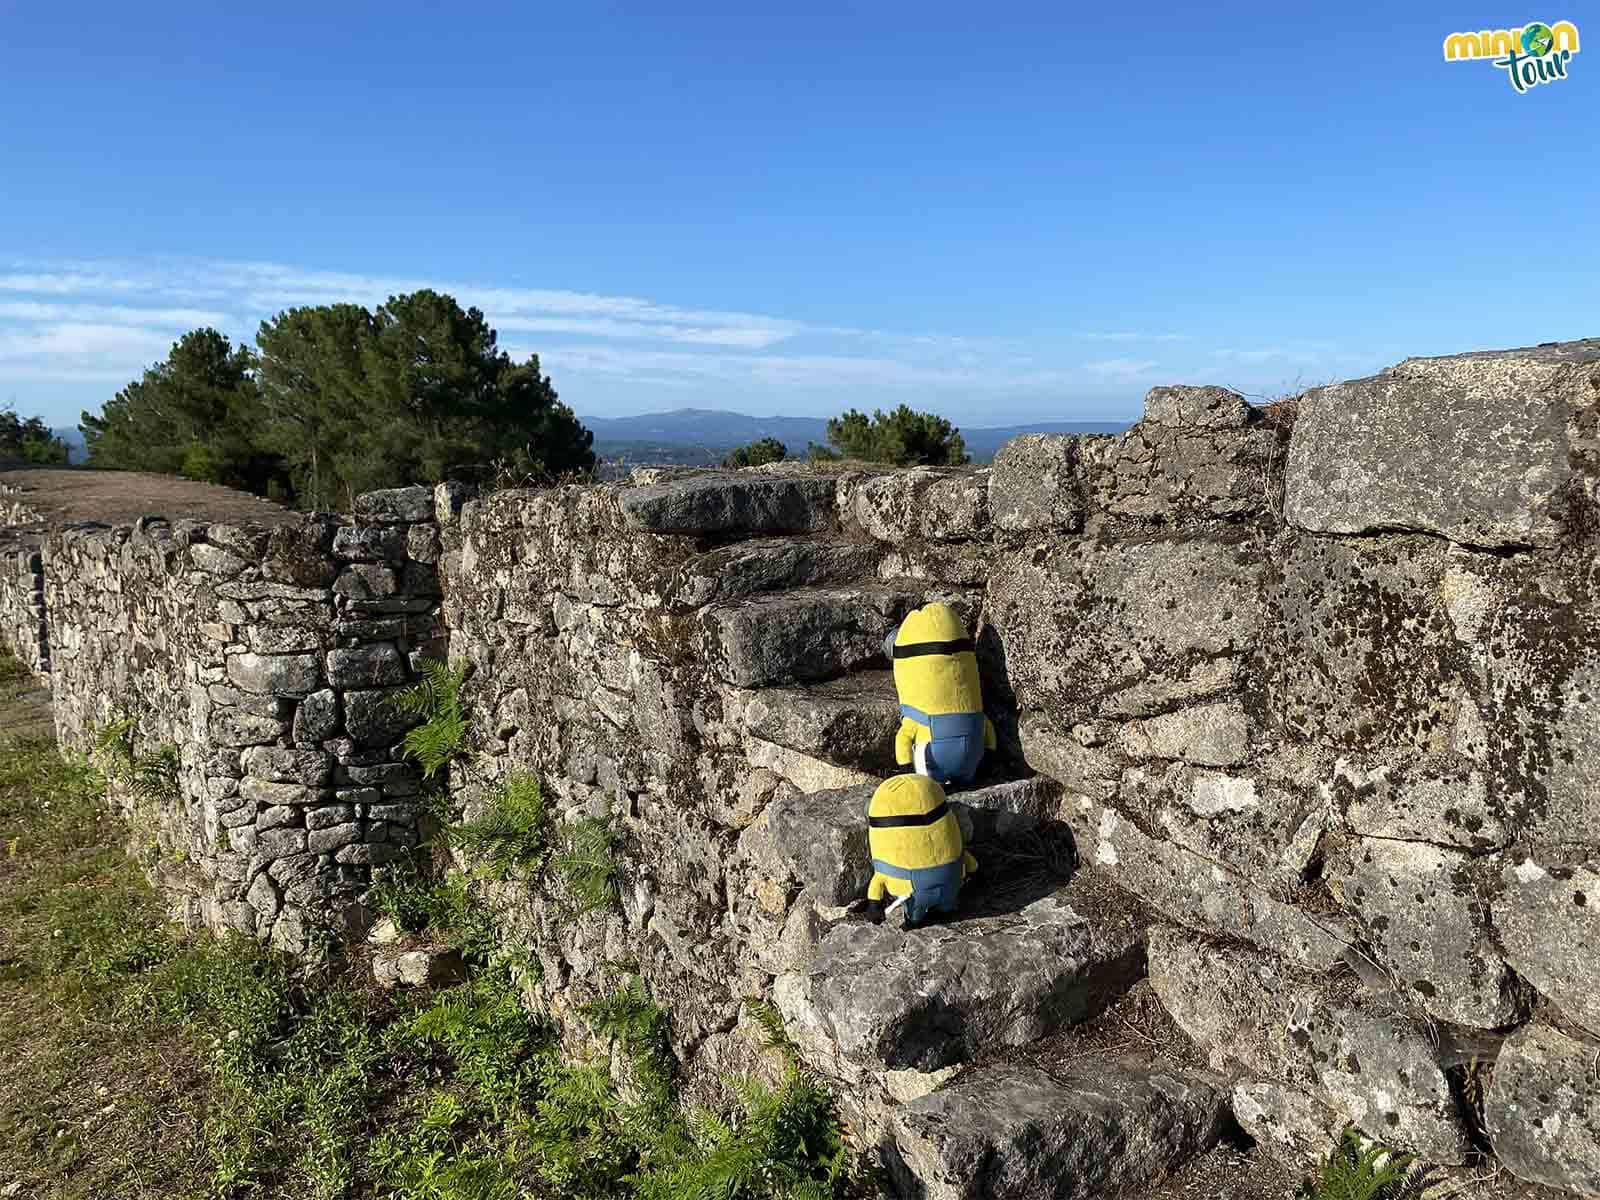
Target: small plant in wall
587,862
510,833
113,746
154,777
436,700
1361,1169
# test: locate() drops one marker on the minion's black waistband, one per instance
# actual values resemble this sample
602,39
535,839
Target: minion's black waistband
910,819
916,649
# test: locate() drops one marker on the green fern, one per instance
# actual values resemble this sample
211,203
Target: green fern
510,834
774,1036
781,1143
113,745
154,777
588,864
436,700
1359,1169
630,1017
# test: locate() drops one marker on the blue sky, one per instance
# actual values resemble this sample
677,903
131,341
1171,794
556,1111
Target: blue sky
999,212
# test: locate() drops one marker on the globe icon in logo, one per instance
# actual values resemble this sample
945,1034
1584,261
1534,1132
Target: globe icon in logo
1537,39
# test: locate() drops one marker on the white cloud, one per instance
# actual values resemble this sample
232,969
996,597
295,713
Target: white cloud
755,337
120,314
84,322
82,341
1121,366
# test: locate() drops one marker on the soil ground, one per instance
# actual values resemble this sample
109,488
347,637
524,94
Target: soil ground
121,497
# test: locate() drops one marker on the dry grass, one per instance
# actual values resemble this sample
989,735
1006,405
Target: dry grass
89,1106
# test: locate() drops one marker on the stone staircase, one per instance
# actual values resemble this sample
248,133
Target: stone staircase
917,1027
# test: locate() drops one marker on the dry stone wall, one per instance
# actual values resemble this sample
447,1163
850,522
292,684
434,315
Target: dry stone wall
265,661
1297,708
22,614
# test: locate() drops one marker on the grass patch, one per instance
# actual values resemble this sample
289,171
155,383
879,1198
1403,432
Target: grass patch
146,1062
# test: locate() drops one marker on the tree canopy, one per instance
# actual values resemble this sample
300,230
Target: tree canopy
30,440
757,453
337,400
195,413
903,437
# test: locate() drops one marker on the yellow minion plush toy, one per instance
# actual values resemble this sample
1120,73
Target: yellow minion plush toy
916,847
943,732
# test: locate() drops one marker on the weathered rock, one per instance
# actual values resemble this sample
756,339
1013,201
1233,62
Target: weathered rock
317,718
925,502
821,841
1085,627
234,728
1216,735
1286,1123
803,635
1547,919
881,997
369,543
449,498
733,504
1452,809
275,674
327,839
395,504
1096,1127
361,582
298,555
417,968
314,768
1361,652
1033,485
850,721
261,791
378,665
1196,408
1422,911
214,560
372,718
1203,895
1372,1064
1262,829
1543,1109
1472,447
746,568
1199,453
1541,653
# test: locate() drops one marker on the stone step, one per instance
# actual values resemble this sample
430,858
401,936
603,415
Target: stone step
879,998
769,565
1096,1127
820,839
812,634
847,722
733,503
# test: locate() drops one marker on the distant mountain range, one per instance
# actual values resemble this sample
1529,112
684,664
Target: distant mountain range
703,435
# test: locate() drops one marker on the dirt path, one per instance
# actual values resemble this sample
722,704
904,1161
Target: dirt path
121,497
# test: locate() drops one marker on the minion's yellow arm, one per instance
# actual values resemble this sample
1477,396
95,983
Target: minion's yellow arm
989,741
905,741
876,889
